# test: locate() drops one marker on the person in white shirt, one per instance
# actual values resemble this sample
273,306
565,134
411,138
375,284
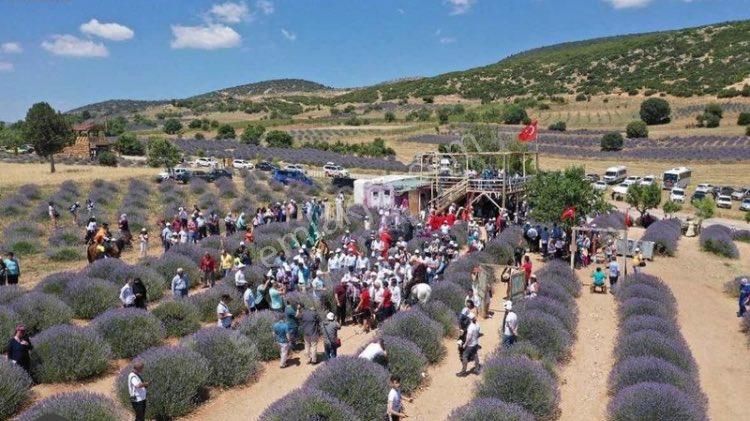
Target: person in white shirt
249,299
143,241
395,294
395,410
362,263
375,352
180,284
222,312
239,279
510,325
470,348
137,391
126,294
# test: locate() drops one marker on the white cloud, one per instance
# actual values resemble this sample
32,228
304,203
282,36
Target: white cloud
71,46
265,6
459,7
230,12
5,66
291,36
447,40
111,31
208,37
628,4
401,11
11,48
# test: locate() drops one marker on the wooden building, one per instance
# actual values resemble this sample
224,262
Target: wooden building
89,141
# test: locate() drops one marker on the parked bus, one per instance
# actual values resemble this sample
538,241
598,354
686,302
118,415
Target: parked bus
676,177
615,175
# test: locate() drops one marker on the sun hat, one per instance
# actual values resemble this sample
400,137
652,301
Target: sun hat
508,305
330,316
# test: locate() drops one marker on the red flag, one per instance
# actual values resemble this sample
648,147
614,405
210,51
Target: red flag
568,213
628,221
528,133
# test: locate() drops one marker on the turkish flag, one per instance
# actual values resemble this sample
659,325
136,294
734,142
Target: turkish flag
569,213
528,133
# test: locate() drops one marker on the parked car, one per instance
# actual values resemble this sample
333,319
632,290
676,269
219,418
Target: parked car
745,205
592,178
218,173
341,182
724,201
181,175
266,166
723,191
295,167
648,180
333,170
600,185
740,194
621,189
704,187
205,162
242,164
677,195
287,176
632,179
698,195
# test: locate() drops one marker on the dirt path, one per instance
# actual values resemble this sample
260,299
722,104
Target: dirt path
583,381
708,323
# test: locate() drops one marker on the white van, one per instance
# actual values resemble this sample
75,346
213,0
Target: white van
615,175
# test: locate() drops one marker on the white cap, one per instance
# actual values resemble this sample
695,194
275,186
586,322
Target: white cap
508,305
330,316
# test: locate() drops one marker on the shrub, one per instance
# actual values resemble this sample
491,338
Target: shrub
449,294
107,159
546,332
612,142
632,371
80,406
644,307
652,343
40,311
490,409
167,266
636,129
442,314
207,301
308,404
104,269
406,360
179,317
64,254
637,323
179,378
665,233
743,119
741,235
22,244
15,385
556,292
518,380
232,357
565,315
717,239
9,319
129,331
559,126
356,382
65,353
560,273
733,287
258,327
655,401
420,329
90,297
65,238
155,284
655,111
650,292
9,293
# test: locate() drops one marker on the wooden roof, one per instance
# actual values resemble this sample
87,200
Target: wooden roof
87,126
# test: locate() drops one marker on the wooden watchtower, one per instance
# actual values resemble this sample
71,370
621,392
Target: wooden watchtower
89,140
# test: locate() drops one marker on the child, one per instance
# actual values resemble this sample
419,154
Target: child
143,238
395,410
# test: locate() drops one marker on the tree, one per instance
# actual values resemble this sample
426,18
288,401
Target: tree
551,193
279,139
226,131
671,207
442,116
390,117
48,131
705,208
199,136
714,109
560,126
743,119
162,153
195,124
708,120
612,141
86,115
252,134
643,197
514,114
107,159
655,111
116,126
428,99
11,137
172,126
128,144
636,129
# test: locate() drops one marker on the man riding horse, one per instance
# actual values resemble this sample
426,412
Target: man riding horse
103,246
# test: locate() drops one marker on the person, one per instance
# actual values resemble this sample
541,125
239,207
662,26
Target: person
614,272
139,290
180,284
363,309
248,298
222,312
527,268
53,213
533,289
73,209
275,295
339,296
638,260
470,348
331,341
126,294
227,261
283,339
166,237
240,282
143,242
19,347
12,268
395,410
293,313
395,294
137,391
744,296
208,267
310,323
510,325
375,352
598,277
384,308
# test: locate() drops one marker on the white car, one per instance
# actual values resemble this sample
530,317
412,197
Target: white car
648,180
600,185
241,164
205,162
704,187
724,201
745,205
333,170
621,189
632,179
677,195
740,194
295,167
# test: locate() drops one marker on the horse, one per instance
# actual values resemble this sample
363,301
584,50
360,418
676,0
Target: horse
322,247
115,248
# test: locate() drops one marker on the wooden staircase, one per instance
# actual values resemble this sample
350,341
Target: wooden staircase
79,149
450,195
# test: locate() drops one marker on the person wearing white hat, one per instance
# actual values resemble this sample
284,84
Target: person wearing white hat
510,325
331,341
638,260
470,348
744,296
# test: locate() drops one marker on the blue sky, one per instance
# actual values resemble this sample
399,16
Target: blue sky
74,52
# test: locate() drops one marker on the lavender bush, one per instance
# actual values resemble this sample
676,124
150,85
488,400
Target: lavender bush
546,332
13,205
153,281
22,244
226,188
207,301
655,401
178,379
129,331
179,317
15,388
80,406
733,287
417,327
30,191
741,235
40,311
666,327
637,290
615,220
449,294
194,252
104,269
665,234
653,343
9,319
64,254
167,266
717,239
644,307
557,292
560,273
518,380
66,353
232,357
65,237
357,382
309,404
258,327
56,282
9,293
442,314
490,409
632,371
406,360
565,315
89,297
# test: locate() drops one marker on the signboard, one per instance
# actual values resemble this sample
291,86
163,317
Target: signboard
628,249
517,285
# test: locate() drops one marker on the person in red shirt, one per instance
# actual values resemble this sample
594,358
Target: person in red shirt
363,309
385,309
526,266
386,238
450,218
208,267
339,294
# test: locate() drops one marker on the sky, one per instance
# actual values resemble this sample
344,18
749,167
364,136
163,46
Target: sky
75,52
